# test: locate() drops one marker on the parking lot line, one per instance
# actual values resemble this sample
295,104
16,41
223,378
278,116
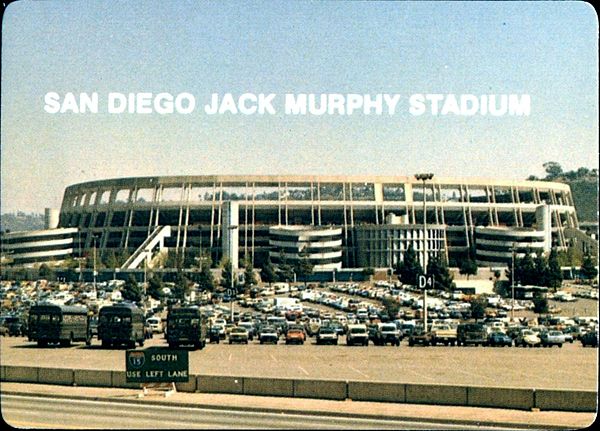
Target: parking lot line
303,370
358,371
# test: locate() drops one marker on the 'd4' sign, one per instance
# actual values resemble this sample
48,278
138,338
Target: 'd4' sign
426,281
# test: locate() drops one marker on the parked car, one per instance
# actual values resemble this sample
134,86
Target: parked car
499,339
295,335
552,338
327,335
249,327
357,334
239,334
590,338
15,326
214,334
528,338
268,334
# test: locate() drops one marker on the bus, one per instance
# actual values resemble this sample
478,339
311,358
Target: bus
121,324
63,324
186,326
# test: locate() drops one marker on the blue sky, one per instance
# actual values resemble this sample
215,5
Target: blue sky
545,49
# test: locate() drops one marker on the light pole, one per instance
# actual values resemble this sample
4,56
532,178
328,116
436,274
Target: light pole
231,229
512,308
423,178
94,274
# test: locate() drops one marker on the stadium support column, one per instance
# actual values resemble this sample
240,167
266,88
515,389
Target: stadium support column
230,233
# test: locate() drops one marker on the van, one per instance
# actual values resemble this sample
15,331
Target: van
280,288
155,324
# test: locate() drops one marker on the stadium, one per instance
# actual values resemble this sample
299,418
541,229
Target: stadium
335,221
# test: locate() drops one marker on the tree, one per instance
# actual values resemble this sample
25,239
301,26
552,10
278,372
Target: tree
206,281
182,287
540,275
478,305
285,270
249,278
588,267
553,170
46,272
227,278
409,268
303,268
554,276
174,260
468,267
392,306
132,290
438,268
267,272
540,304
155,286
368,272
109,259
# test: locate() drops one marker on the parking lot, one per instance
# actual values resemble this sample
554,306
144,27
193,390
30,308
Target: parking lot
571,367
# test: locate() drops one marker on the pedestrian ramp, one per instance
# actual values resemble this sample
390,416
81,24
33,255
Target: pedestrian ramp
145,250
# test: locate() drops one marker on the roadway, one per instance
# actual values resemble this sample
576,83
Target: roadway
23,411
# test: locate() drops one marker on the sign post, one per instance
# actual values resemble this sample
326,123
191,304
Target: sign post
425,282
157,368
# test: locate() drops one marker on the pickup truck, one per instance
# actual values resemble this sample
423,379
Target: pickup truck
386,333
420,336
471,333
443,334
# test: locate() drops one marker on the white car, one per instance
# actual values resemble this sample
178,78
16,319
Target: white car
155,324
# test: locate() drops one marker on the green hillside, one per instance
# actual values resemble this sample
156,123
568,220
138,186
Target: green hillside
585,195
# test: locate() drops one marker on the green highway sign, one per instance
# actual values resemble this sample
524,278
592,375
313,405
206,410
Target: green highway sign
156,365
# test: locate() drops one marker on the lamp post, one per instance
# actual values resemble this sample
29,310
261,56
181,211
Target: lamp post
423,178
231,229
512,308
94,274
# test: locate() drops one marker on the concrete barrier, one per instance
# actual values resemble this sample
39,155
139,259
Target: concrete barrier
377,391
510,398
513,398
268,387
574,401
189,386
98,378
56,376
220,384
436,394
20,374
323,389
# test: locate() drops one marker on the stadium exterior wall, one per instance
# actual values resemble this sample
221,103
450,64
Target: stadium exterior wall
122,212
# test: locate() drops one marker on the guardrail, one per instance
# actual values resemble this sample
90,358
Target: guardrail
471,396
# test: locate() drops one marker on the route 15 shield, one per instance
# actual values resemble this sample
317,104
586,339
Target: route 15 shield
136,359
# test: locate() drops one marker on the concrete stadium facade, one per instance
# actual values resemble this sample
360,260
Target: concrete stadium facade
121,213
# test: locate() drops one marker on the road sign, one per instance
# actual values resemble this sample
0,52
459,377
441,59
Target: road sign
230,292
426,281
156,365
